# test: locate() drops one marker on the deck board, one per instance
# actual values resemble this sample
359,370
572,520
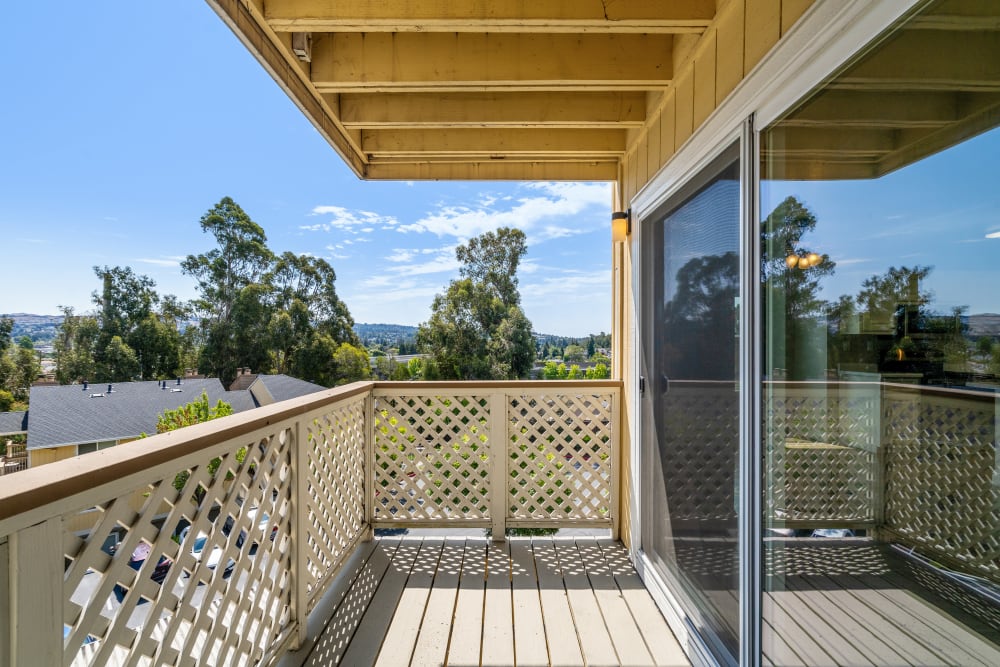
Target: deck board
467,632
467,602
529,624
498,628
401,637
560,630
432,643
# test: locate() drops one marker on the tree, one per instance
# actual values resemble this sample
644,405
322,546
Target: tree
118,362
196,412
351,364
792,272
598,372
575,353
477,329
230,284
26,369
75,343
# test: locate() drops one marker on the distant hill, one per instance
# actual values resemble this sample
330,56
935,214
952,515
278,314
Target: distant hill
41,329
984,324
387,335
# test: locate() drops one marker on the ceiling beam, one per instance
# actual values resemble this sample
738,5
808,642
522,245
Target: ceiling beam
493,142
454,110
549,16
450,62
494,170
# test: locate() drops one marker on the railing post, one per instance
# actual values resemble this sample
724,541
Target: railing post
300,539
34,608
369,466
616,463
499,439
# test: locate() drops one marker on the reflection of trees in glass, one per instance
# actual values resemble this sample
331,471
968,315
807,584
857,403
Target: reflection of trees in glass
701,319
791,294
890,326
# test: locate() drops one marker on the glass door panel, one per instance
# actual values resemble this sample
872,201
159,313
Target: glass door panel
690,430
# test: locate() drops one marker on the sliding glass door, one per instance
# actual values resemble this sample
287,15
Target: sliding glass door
690,406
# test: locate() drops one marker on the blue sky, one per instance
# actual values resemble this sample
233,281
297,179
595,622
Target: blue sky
124,122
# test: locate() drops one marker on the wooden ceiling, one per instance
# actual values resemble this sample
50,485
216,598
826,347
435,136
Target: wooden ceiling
474,89
930,85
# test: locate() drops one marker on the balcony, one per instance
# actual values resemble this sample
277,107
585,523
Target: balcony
304,506
106,564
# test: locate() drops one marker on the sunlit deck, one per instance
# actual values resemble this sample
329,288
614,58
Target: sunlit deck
469,601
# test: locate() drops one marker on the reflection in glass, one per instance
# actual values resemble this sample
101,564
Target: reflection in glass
880,241
690,407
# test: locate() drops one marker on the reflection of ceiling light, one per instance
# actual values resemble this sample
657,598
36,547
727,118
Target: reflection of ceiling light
804,261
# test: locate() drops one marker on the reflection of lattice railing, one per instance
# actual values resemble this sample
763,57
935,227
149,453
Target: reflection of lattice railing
918,463
822,461
942,491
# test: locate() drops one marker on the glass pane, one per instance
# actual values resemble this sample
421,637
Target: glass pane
690,407
880,237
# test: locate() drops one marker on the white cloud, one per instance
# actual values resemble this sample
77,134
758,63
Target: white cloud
852,260
537,212
161,261
993,235
399,255
348,220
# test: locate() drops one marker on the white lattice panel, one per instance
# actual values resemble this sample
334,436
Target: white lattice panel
560,458
335,509
158,601
432,459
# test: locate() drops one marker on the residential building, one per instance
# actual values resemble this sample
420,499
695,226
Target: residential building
798,453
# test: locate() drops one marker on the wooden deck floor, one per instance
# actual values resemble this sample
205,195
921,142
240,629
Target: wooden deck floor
468,602
858,603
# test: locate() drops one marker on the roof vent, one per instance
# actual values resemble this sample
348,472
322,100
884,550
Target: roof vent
110,389
97,395
178,380
176,391
85,385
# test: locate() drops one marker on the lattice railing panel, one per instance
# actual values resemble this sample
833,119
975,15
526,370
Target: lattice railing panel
560,453
432,458
942,492
335,507
160,600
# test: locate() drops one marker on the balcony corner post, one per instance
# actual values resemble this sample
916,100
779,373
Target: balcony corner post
368,484
35,607
499,441
617,469
300,565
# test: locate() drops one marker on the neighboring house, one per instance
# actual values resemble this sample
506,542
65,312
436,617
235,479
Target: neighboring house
68,420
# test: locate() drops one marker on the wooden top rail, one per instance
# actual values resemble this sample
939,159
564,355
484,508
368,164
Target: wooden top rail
496,385
37,487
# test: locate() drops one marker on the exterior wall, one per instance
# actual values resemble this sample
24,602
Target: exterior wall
40,457
743,32
706,72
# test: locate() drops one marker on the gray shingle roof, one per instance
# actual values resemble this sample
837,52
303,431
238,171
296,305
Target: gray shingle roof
284,387
13,422
66,415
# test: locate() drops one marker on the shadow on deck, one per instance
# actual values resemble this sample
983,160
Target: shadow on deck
468,601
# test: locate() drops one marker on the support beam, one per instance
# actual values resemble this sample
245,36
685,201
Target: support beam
846,108
493,142
635,16
443,62
451,110
493,170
